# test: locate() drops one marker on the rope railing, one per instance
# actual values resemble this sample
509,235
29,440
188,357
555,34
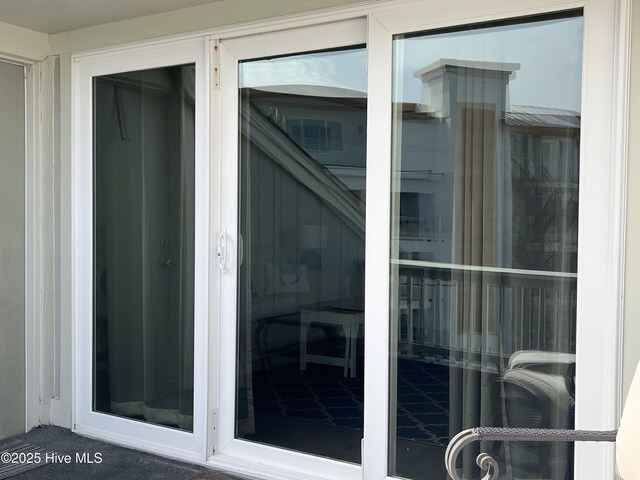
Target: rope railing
489,465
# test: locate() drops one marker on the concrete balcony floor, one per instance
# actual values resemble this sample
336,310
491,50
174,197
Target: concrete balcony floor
116,462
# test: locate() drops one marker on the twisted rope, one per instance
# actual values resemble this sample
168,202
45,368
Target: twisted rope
544,435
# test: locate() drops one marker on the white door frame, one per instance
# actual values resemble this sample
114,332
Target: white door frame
166,441
601,217
228,448
601,223
30,50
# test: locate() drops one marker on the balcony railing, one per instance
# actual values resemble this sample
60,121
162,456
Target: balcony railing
443,309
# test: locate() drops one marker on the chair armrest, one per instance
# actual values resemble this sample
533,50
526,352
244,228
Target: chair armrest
488,464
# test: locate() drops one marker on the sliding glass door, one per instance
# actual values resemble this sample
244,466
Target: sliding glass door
484,240
141,202
472,137
293,286
144,124
482,270
301,282
396,226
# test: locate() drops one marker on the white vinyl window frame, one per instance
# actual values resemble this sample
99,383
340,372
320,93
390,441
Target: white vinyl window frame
175,443
601,213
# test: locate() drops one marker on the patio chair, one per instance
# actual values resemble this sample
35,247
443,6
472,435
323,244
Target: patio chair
627,439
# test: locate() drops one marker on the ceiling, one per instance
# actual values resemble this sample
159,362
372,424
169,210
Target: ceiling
54,16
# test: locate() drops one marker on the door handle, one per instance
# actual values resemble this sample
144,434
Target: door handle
221,250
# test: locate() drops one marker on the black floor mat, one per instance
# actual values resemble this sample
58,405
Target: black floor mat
17,457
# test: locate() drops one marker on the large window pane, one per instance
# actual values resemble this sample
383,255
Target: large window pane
486,128
301,281
144,245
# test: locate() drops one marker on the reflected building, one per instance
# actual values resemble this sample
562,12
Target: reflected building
528,193
484,245
534,176
301,281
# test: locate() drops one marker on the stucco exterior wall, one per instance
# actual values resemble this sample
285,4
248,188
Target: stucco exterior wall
12,260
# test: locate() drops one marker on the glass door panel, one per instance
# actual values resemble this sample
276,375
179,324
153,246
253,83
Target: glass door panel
301,279
144,160
486,133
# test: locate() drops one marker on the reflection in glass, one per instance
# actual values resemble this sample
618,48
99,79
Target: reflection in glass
144,159
484,241
301,282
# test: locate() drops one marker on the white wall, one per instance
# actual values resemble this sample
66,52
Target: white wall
632,274
21,44
12,250
217,14
21,170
